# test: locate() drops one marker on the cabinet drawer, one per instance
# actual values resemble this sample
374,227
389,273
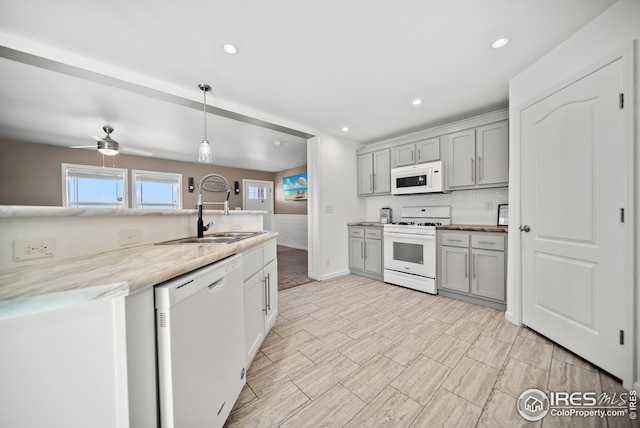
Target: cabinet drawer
373,233
252,262
488,242
455,239
270,251
356,232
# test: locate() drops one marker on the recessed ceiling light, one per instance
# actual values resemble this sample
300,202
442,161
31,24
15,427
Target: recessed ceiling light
416,102
277,143
230,49
345,129
500,43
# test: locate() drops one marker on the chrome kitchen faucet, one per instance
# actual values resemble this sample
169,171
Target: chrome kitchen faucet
219,185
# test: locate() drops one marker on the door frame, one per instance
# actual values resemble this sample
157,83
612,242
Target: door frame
244,195
632,302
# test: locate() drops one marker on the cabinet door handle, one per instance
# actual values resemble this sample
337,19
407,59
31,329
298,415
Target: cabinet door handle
268,292
374,181
480,168
362,250
412,156
365,251
475,266
473,169
371,182
466,265
419,154
486,242
264,282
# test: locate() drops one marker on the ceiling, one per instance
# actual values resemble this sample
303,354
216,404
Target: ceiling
303,68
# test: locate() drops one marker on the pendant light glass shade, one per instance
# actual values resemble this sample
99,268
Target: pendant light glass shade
204,153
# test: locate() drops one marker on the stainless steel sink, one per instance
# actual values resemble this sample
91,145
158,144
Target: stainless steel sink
214,238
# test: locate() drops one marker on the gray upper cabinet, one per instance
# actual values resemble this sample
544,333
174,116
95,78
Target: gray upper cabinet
492,151
374,173
419,152
477,157
460,150
428,150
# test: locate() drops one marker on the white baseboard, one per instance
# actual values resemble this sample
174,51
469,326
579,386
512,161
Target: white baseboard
297,247
332,275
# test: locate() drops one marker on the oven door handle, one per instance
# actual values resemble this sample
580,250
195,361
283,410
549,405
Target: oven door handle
410,236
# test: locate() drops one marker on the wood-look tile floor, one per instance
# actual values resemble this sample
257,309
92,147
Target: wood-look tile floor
354,352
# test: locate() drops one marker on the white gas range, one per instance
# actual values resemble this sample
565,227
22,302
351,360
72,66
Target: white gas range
410,247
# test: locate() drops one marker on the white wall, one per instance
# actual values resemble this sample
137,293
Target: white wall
333,203
292,230
467,206
90,231
613,30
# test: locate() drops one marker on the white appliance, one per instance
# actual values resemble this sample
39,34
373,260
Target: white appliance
410,247
201,351
421,178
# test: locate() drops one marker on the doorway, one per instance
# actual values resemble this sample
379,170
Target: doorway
575,239
257,195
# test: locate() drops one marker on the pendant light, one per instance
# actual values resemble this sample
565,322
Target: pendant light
204,153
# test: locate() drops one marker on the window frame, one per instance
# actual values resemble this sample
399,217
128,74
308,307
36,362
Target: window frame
97,171
135,173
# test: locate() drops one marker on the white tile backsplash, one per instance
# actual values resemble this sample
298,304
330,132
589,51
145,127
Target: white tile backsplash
467,206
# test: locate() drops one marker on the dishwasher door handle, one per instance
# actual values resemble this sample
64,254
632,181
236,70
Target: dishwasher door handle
215,284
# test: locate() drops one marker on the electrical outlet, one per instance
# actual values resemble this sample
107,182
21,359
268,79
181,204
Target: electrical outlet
236,226
488,205
33,248
129,237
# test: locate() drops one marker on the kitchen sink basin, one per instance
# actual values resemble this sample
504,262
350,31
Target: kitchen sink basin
214,238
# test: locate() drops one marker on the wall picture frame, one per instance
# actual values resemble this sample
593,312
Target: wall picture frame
295,187
503,215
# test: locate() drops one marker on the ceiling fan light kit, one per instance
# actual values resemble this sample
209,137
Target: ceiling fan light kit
107,145
204,153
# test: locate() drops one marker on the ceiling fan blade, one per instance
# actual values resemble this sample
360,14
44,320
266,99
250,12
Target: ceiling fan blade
93,146
140,152
96,138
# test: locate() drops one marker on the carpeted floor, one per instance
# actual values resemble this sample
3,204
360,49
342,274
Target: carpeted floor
292,267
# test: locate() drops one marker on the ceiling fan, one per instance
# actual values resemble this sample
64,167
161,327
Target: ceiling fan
108,146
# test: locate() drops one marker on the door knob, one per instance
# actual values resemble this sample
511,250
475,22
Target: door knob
524,228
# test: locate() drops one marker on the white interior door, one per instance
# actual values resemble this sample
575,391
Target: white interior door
258,195
574,185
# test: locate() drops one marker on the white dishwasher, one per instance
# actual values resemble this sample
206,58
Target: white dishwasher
201,350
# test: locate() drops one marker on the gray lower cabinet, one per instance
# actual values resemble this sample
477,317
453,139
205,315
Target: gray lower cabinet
366,251
472,267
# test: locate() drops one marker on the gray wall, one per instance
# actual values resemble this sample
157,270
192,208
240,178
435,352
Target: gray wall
30,174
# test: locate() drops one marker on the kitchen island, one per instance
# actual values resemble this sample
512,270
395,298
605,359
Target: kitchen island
79,329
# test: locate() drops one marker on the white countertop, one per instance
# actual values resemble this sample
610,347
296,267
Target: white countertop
66,282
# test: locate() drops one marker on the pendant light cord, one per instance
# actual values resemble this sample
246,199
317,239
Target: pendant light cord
204,108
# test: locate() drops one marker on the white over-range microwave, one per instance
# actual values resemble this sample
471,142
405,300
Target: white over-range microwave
421,178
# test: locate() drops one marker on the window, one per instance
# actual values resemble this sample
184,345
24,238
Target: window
157,190
86,186
257,192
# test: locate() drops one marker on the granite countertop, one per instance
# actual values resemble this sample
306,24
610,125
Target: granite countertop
66,282
366,223
475,227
